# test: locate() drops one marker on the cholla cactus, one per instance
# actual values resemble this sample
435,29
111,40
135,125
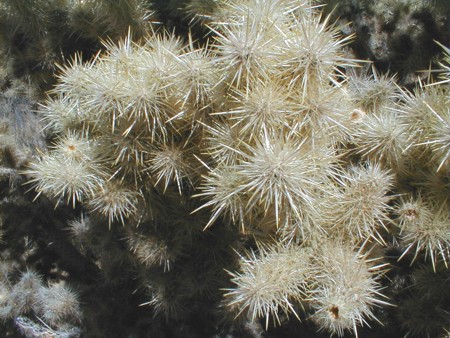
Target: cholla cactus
395,34
36,35
272,283
424,226
57,306
347,289
183,150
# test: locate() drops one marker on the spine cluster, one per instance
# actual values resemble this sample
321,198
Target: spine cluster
265,170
